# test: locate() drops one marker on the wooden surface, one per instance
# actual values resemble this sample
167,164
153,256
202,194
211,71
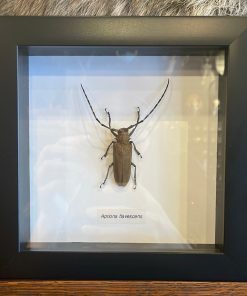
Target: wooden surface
103,288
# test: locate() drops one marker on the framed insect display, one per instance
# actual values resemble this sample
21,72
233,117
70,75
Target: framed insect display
123,148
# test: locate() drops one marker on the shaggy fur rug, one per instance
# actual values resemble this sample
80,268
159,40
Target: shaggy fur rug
124,7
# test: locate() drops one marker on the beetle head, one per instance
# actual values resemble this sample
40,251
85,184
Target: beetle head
123,135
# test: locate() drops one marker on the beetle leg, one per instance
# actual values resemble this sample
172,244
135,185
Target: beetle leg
107,150
113,131
134,174
109,117
137,152
137,121
106,175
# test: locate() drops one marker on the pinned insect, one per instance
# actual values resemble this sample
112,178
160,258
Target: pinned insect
122,145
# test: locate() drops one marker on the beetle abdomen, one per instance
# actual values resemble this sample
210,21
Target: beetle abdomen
122,154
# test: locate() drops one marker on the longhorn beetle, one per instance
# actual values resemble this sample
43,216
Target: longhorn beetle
122,145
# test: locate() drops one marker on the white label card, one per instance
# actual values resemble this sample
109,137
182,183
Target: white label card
121,216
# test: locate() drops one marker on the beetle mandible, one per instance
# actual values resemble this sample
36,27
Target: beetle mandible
122,144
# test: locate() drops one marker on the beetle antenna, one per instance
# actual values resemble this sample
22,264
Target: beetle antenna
102,124
155,106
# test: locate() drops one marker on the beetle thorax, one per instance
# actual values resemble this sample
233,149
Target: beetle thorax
123,135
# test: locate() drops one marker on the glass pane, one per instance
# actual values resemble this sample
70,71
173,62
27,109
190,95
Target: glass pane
179,177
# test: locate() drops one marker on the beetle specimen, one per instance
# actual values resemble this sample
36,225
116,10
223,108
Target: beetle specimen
122,144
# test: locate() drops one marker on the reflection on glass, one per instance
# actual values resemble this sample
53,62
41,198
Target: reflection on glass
176,178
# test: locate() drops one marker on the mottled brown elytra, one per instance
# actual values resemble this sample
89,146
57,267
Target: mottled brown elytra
122,145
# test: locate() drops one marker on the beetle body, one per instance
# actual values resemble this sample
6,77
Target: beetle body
122,156
122,145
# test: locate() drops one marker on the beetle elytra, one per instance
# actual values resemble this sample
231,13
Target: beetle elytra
122,144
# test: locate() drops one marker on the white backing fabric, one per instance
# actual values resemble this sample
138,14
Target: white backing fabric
176,178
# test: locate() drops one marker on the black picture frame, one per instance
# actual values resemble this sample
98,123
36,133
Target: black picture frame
19,33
